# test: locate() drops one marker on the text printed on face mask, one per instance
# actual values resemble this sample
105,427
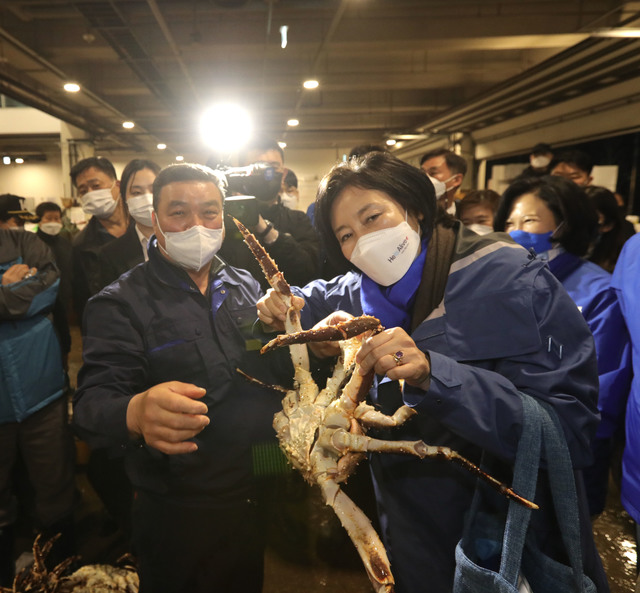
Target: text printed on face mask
399,249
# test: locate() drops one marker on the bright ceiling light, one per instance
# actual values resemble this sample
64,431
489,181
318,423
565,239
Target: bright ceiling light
310,84
391,142
283,36
226,127
6,160
128,125
179,158
616,33
71,87
19,160
293,122
282,144
161,146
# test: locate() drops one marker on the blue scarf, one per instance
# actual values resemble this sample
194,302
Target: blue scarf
392,305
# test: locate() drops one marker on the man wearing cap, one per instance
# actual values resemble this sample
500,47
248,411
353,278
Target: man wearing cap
13,214
539,161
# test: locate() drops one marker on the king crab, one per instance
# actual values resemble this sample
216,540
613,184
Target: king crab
322,432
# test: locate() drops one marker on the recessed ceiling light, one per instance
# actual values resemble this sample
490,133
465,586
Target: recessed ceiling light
282,144
179,158
71,87
293,122
19,160
6,160
391,142
161,146
310,84
128,125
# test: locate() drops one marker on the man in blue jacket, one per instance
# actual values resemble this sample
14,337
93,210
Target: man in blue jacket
161,349
33,411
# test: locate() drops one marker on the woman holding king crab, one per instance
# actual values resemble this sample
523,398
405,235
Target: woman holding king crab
470,321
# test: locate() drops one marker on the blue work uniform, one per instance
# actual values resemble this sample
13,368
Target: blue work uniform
626,282
151,326
505,325
590,288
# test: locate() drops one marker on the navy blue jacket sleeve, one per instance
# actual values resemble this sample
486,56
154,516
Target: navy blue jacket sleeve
114,370
476,399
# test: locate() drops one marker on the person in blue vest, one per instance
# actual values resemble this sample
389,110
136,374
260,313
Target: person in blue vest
33,409
470,321
554,217
626,283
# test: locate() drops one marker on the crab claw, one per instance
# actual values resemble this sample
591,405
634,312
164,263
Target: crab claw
273,275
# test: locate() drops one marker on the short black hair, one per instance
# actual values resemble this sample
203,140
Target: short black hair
362,149
43,207
187,172
541,148
291,179
578,158
99,162
575,216
455,163
260,144
131,169
381,171
478,197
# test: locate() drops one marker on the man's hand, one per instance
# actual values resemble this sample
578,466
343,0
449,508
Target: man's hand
272,311
167,416
17,273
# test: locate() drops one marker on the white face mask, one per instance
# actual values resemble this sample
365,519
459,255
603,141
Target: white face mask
480,229
386,255
539,162
289,201
440,187
50,228
99,202
194,248
140,207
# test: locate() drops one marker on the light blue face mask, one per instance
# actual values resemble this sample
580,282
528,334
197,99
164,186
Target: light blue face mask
539,242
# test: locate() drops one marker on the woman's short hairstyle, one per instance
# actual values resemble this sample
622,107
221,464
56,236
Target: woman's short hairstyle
576,218
380,171
131,169
187,172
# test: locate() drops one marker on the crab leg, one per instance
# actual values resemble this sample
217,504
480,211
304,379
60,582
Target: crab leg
299,353
342,440
330,333
362,534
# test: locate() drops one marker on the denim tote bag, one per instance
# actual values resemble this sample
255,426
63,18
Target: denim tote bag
496,553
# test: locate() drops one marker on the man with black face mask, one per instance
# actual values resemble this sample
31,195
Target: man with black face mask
287,234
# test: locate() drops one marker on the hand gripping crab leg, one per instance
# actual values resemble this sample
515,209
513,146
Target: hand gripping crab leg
322,433
299,353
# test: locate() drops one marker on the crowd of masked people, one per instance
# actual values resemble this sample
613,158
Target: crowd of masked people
481,296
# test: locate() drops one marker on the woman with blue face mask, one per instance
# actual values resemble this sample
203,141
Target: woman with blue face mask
468,321
554,217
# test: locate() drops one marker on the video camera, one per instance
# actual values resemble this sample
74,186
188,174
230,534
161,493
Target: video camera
259,179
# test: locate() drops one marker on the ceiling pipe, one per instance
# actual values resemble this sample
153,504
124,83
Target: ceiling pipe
153,6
